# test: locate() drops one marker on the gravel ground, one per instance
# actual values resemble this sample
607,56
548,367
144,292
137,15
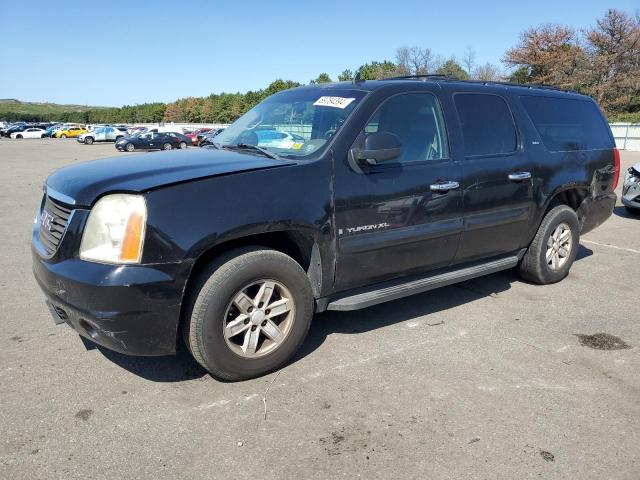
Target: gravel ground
493,378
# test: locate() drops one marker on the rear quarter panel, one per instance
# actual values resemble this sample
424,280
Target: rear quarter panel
591,171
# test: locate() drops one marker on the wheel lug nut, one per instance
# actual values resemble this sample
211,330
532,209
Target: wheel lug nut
253,328
250,309
264,324
246,320
260,305
267,311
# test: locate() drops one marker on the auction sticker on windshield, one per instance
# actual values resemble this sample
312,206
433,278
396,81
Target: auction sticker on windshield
337,102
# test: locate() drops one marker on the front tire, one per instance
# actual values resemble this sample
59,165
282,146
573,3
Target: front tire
130,147
183,145
63,136
249,313
88,140
19,137
167,146
553,250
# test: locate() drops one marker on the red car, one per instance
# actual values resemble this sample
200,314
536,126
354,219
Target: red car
194,135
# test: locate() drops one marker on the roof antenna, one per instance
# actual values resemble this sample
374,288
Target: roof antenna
357,78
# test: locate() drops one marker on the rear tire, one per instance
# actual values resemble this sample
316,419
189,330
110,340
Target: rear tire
553,250
167,146
212,307
63,136
183,145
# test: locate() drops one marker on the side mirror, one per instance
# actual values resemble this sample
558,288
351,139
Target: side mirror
377,147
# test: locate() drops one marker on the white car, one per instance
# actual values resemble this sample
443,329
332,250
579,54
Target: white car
631,189
29,133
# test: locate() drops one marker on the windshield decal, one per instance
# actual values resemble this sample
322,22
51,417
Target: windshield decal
336,102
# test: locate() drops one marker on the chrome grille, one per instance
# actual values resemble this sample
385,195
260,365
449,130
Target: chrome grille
54,217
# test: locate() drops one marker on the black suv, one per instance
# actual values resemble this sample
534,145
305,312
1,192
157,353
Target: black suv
326,197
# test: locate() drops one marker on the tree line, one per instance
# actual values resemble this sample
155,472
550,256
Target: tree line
602,61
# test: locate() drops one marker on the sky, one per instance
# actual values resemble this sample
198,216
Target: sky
127,52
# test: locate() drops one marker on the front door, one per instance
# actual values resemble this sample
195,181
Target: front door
404,215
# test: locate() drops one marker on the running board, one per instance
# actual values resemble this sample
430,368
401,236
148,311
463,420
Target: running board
399,290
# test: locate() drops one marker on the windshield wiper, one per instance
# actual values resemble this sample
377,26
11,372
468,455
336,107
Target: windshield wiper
247,146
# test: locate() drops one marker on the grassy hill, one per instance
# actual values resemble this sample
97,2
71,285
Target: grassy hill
11,109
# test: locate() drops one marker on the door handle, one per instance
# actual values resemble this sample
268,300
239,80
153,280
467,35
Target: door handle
444,186
519,176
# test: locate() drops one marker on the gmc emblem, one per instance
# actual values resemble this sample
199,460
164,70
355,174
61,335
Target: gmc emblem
45,220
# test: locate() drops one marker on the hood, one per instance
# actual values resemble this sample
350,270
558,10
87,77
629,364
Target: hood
85,182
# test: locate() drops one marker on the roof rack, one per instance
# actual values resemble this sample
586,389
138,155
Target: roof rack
480,82
430,76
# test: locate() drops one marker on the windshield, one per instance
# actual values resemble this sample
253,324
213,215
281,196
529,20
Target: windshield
292,124
99,130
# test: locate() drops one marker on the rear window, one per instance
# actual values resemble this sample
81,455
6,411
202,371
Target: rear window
487,124
567,124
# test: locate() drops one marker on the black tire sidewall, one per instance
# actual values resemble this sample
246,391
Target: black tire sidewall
217,356
562,215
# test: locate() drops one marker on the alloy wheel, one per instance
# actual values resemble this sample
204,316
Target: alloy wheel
259,318
559,247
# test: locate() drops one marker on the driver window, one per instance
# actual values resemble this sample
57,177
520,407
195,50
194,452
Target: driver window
417,121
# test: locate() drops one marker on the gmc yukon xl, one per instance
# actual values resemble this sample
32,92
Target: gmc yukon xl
325,197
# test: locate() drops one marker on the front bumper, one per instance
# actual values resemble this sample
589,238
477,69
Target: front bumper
133,309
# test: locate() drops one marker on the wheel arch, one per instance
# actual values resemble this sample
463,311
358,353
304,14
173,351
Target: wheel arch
571,195
300,245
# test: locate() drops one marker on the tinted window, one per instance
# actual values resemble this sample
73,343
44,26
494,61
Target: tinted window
487,124
417,121
567,124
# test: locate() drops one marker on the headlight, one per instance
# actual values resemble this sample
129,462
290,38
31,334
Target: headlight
115,230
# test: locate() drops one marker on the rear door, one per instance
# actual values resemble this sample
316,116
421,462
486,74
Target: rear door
497,176
405,215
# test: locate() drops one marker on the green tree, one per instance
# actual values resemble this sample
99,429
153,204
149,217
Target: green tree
453,69
377,70
345,76
322,78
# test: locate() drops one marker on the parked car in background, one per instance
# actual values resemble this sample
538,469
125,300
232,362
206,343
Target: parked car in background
207,138
148,141
134,130
69,132
29,133
185,141
15,128
631,189
102,134
194,135
49,131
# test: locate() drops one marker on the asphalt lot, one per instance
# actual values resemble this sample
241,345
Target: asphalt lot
486,379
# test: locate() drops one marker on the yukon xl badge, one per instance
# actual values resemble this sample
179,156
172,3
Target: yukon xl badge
363,228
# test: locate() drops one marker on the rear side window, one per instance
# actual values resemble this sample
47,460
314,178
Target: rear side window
567,124
487,124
